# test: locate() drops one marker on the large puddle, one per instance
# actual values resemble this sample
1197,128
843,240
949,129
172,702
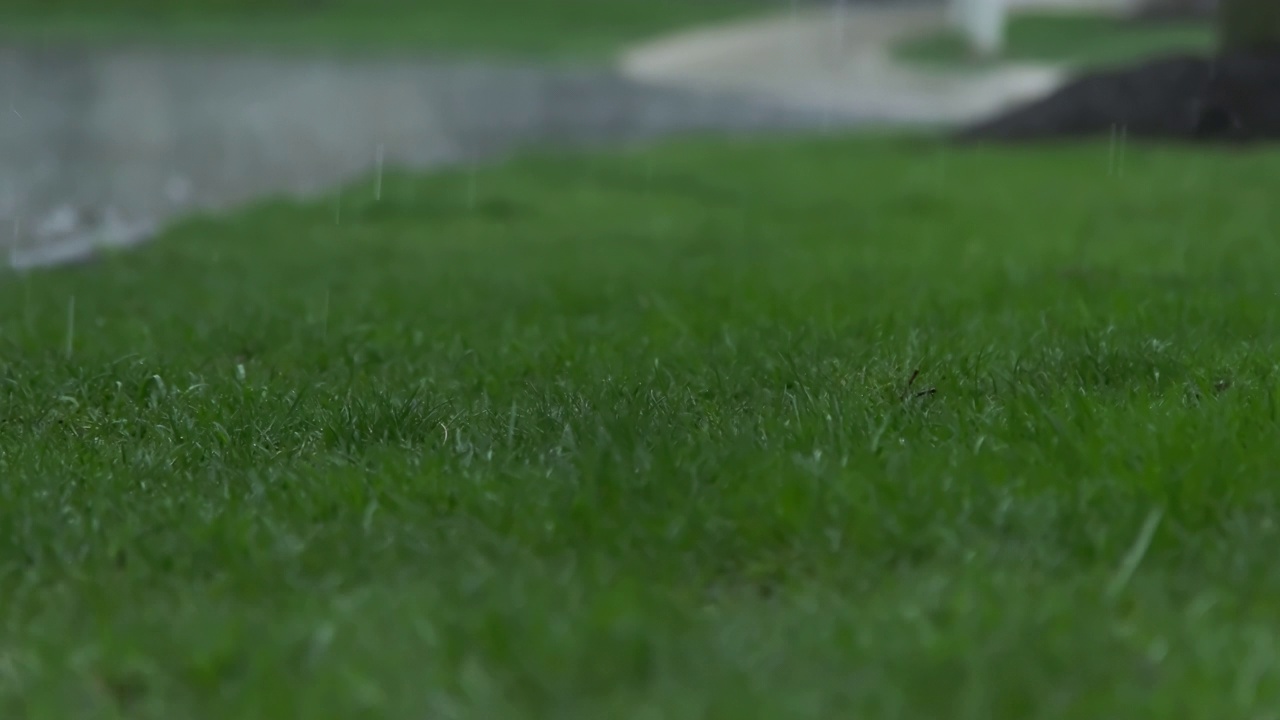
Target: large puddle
103,147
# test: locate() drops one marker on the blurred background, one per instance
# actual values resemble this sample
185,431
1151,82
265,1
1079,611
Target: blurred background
122,114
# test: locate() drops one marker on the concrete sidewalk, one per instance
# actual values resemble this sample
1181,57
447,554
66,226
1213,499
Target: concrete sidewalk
838,60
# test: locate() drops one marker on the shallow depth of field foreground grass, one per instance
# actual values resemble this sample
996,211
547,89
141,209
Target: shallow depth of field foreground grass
637,436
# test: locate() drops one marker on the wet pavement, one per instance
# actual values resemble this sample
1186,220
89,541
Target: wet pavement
104,146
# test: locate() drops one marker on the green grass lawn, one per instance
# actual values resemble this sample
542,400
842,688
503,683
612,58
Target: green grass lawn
794,429
572,29
1077,39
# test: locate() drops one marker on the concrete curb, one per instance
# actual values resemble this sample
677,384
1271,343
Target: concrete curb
838,60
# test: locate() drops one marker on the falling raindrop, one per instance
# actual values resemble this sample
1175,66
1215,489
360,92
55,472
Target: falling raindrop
15,243
1115,160
71,324
377,186
1124,139
1111,152
472,171
13,105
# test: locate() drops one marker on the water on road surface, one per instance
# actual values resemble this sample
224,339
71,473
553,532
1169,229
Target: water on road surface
103,146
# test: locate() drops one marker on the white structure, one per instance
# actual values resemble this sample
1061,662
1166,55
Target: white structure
982,22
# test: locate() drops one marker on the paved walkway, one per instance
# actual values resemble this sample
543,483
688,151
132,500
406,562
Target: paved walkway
837,59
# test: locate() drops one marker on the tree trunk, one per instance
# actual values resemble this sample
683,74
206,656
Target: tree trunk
1249,24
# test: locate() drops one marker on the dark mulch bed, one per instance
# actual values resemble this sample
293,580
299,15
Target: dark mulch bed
1232,97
